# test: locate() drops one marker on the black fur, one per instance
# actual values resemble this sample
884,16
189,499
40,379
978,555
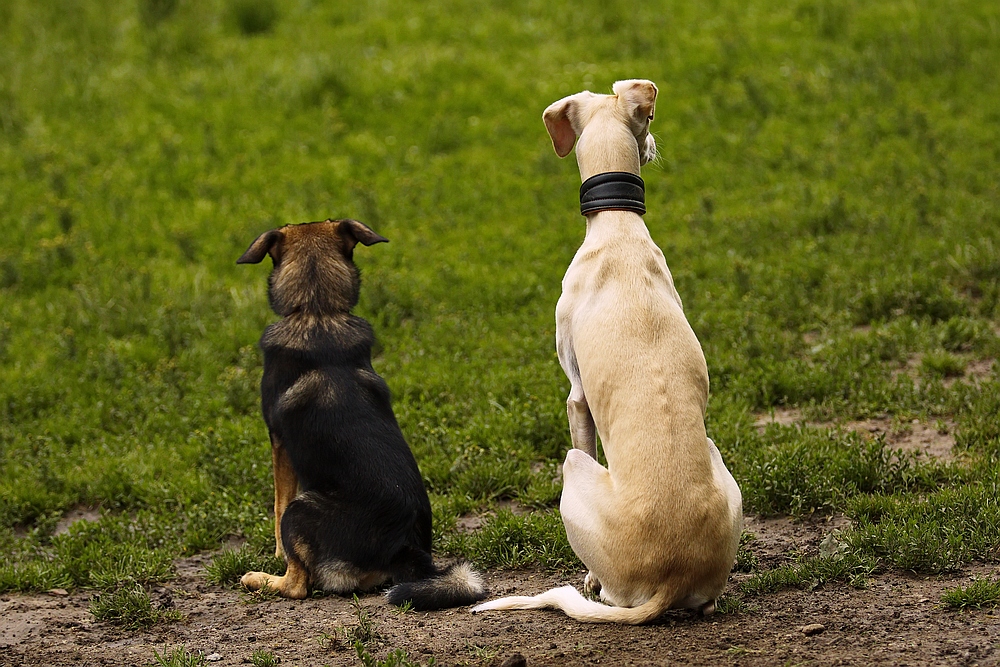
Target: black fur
361,498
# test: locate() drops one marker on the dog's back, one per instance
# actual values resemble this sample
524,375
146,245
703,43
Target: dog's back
658,527
362,515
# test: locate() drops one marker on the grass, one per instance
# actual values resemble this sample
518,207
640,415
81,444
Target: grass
263,658
131,608
826,200
179,657
980,593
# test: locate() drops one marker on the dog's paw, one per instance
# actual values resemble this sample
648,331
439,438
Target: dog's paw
257,580
591,585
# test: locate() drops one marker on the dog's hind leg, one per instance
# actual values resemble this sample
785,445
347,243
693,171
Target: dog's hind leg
286,486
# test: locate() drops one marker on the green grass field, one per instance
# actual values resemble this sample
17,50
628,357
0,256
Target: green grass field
827,198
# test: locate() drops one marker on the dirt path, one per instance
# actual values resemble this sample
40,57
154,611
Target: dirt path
897,620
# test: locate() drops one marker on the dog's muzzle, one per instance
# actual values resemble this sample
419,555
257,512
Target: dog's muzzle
613,191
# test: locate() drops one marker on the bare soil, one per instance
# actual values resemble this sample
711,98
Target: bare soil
898,619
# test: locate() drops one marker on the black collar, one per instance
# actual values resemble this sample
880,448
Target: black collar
613,191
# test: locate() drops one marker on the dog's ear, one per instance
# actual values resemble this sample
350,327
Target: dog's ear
639,97
354,232
267,243
558,121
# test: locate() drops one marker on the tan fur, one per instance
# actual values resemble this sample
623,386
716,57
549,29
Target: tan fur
660,526
293,584
285,489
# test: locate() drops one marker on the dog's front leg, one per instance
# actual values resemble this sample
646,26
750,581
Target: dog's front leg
286,486
582,429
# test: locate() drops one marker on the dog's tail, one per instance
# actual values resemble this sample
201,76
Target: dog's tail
569,600
453,586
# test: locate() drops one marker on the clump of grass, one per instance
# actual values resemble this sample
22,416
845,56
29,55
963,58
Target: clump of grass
179,657
396,658
365,631
508,541
228,566
130,608
980,593
810,573
263,658
942,364
746,559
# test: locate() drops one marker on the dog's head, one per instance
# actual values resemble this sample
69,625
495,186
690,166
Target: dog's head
613,130
314,270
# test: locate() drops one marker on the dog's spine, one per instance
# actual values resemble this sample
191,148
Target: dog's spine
574,605
453,586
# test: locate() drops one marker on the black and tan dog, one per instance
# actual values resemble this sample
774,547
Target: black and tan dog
350,507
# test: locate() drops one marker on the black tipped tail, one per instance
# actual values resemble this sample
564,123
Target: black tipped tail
454,586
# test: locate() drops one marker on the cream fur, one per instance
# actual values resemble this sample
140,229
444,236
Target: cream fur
660,526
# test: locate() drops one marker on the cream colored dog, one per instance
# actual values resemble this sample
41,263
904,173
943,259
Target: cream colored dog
660,526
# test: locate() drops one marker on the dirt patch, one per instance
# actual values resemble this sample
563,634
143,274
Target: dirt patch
898,619
980,370
935,440
780,416
76,514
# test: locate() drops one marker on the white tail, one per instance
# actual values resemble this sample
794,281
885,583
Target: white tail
574,605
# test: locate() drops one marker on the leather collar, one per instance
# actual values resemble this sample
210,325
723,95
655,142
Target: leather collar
613,191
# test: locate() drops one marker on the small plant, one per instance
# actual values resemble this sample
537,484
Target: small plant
130,608
746,560
397,658
404,608
980,593
729,604
365,630
179,657
263,658
942,364
228,566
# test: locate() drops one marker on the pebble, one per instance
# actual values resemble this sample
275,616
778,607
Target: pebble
516,660
812,629
213,657
58,592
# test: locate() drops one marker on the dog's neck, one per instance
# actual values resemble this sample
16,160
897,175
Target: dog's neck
605,145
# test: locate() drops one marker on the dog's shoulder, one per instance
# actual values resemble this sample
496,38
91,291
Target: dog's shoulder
324,340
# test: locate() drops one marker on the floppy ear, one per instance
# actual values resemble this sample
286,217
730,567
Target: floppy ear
268,242
557,121
639,97
354,232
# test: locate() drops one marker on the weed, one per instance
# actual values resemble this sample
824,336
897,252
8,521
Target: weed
365,631
131,608
980,593
228,566
746,559
507,540
263,658
395,658
179,657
